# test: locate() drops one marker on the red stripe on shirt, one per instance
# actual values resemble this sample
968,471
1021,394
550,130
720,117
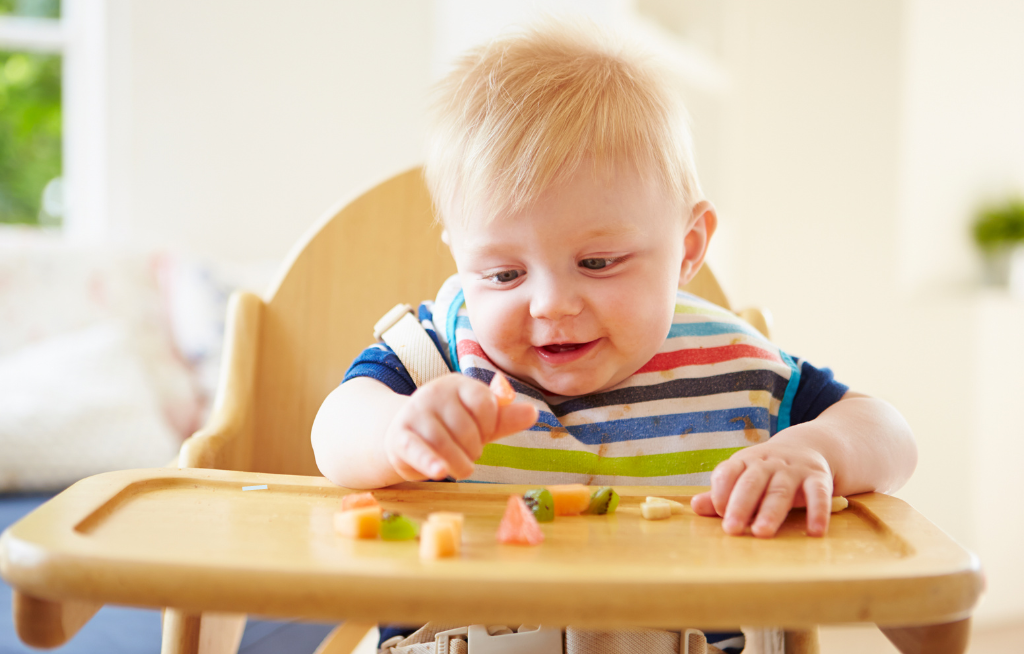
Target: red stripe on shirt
466,347
705,356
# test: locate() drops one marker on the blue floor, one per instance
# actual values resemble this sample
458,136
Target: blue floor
117,630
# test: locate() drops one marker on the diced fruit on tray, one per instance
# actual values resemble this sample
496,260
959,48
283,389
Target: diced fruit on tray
603,500
570,499
449,517
502,390
518,526
655,510
395,526
540,502
363,522
437,540
678,508
839,503
358,500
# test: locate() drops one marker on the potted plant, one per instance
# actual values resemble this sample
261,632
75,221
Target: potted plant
999,232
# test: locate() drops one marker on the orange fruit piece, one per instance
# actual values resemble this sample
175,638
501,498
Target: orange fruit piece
357,501
452,518
570,499
502,390
437,540
363,522
518,526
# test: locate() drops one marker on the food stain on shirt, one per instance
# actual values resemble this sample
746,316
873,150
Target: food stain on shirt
751,433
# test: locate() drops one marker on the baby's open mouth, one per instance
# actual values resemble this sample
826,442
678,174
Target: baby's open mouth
555,348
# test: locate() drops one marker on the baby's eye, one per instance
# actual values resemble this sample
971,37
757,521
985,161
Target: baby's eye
596,263
506,276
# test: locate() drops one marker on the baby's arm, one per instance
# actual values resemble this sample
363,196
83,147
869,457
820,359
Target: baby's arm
858,444
367,436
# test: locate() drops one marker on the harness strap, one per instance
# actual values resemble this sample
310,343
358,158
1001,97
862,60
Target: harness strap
404,334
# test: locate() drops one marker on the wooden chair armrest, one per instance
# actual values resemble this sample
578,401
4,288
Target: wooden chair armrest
225,441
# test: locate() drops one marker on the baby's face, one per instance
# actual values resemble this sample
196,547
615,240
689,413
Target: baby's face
576,293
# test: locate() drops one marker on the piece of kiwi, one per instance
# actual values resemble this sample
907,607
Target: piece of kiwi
603,500
540,502
395,526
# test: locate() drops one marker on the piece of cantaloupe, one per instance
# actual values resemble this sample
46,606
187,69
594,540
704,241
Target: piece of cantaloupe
438,540
358,501
363,522
502,390
570,499
452,518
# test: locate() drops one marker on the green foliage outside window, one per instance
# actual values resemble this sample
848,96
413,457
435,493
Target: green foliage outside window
30,137
33,8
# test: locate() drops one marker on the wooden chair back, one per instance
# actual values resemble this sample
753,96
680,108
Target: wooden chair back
287,352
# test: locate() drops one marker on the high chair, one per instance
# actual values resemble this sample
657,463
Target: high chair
283,354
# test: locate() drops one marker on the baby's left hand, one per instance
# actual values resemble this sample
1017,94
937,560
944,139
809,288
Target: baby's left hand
758,485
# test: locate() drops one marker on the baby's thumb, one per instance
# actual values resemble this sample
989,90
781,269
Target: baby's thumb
513,418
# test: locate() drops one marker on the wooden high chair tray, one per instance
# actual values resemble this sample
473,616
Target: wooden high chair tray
195,540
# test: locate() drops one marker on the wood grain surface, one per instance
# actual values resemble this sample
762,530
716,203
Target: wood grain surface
194,540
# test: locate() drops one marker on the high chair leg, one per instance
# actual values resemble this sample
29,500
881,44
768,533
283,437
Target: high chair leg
345,638
42,623
802,641
946,638
209,633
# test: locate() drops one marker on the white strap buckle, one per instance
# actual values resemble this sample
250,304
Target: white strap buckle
543,640
441,639
390,318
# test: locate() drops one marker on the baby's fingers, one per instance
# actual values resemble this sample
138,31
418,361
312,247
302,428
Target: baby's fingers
775,505
413,459
722,481
514,418
702,505
746,495
818,493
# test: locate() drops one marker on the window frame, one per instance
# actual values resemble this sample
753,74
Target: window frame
79,36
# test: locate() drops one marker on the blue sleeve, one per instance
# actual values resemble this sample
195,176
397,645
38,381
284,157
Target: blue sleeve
817,391
381,363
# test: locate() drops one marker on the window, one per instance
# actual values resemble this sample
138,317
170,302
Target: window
31,125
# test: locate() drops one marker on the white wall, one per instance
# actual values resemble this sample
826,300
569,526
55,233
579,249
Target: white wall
239,123
861,138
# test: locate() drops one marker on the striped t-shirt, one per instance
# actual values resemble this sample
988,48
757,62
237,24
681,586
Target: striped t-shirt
715,386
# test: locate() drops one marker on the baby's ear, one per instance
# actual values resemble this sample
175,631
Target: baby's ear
700,228
445,238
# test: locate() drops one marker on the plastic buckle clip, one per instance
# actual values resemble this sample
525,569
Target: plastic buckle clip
543,640
442,639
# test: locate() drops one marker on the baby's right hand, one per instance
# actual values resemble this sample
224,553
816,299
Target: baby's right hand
443,428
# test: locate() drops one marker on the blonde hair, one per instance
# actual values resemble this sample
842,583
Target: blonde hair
526,110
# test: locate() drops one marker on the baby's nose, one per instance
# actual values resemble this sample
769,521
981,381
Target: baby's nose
553,300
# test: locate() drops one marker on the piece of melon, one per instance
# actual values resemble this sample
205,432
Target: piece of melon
449,517
678,508
570,499
363,522
656,510
437,540
502,390
357,501
518,526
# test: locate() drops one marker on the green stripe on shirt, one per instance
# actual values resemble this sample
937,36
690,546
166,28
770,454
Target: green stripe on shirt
645,465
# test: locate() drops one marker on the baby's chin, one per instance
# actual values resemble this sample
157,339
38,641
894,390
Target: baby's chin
572,385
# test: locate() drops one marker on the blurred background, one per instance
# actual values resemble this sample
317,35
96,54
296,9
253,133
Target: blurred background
866,158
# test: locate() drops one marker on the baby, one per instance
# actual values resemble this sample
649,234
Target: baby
561,168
